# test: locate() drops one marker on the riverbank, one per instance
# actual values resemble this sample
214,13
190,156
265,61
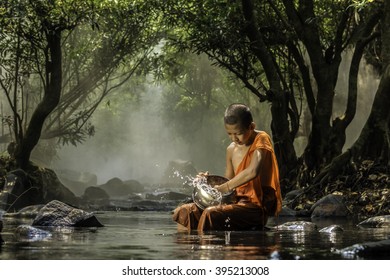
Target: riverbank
365,191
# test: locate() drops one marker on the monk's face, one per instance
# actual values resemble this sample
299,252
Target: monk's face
240,135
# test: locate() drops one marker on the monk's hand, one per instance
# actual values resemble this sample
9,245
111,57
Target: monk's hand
224,188
203,174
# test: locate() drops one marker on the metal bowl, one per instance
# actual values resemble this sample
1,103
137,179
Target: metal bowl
214,180
205,196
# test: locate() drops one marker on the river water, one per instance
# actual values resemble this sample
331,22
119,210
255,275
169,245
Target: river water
148,235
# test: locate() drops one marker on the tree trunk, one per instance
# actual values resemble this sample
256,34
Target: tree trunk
326,139
325,71
50,99
374,140
340,124
283,142
316,152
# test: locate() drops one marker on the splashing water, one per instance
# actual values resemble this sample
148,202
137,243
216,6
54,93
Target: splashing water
205,192
178,175
196,181
201,182
227,222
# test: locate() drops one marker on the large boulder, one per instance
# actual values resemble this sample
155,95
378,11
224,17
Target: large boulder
331,205
38,186
95,197
115,187
92,194
57,213
18,191
53,189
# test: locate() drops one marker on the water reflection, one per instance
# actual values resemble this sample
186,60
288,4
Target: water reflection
334,237
230,244
153,235
299,238
227,237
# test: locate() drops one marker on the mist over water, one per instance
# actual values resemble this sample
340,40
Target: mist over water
132,142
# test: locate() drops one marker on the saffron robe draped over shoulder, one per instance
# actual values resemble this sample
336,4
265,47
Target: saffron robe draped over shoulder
256,200
256,190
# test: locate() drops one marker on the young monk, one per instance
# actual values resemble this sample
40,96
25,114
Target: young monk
253,174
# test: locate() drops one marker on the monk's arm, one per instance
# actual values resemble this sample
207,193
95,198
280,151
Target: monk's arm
229,169
245,175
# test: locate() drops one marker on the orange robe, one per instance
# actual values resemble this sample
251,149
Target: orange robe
256,199
258,189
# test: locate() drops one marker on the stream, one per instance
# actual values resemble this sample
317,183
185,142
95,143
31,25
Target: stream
152,235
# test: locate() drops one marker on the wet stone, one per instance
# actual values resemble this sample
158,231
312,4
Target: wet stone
368,250
297,226
57,213
332,229
376,222
329,206
30,233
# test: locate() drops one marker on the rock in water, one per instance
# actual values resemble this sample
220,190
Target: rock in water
57,213
376,222
29,233
297,226
332,229
377,250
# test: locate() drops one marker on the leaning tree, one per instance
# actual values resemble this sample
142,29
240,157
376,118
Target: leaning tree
60,59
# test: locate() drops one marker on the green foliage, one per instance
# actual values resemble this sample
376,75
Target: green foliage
192,47
196,96
104,44
218,29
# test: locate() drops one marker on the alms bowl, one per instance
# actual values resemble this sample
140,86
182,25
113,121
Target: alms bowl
205,196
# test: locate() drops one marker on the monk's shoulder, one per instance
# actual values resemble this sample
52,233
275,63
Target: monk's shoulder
231,147
262,136
263,140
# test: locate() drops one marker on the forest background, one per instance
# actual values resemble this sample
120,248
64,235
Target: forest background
119,88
